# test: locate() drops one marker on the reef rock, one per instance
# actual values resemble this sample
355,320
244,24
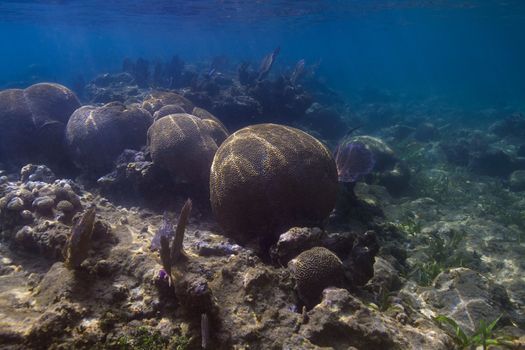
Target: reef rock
32,172
294,241
467,297
517,180
136,178
237,111
267,178
426,132
326,121
493,162
513,125
97,135
342,322
108,88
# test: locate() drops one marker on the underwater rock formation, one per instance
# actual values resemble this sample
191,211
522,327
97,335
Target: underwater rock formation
35,212
137,179
426,132
168,74
293,242
341,321
185,144
517,180
468,297
97,135
32,123
493,162
267,178
513,125
138,69
108,88
237,111
327,121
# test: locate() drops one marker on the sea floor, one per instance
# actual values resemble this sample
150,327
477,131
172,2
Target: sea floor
448,251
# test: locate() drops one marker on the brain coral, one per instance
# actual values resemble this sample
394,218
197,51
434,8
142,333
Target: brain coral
185,144
97,135
158,99
167,110
314,270
32,122
267,178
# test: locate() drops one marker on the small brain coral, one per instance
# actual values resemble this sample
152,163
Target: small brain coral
97,135
185,144
314,270
32,122
267,178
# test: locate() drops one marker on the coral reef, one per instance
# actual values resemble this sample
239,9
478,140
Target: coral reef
267,178
423,250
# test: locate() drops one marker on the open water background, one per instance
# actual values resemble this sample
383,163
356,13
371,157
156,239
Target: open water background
467,53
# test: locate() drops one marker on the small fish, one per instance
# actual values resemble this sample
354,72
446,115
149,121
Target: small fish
166,230
267,63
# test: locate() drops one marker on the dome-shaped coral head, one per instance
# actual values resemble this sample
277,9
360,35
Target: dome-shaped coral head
353,160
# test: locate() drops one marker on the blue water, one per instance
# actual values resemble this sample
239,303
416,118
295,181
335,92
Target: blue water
467,53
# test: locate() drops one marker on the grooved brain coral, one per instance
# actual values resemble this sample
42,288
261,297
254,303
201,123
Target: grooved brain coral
158,99
97,135
185,144
267,178
314,270
32,122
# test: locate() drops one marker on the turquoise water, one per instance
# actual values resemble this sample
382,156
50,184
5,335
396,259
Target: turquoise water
467,53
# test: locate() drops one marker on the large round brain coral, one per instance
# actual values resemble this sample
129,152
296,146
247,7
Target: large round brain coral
267,178
314,270
97,135
32,122
185,144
